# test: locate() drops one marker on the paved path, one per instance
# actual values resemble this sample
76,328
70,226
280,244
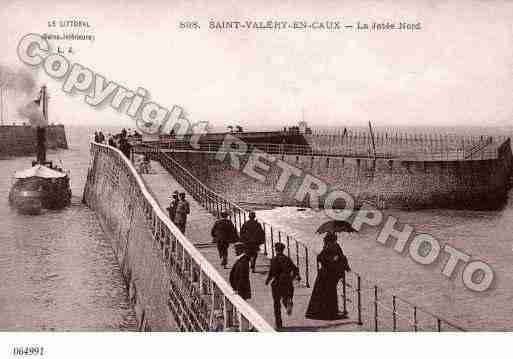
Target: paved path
199,224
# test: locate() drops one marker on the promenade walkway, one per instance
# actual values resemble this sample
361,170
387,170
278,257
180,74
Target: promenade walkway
199,224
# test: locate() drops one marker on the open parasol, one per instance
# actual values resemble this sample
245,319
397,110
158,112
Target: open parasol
335,226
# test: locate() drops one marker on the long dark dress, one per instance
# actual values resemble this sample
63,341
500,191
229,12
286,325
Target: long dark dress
324,301
239,277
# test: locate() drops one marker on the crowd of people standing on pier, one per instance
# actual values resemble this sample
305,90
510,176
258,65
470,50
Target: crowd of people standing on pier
117,140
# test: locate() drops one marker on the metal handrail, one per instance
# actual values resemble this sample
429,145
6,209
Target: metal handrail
193,184
253,317
359,150
355,287
216,203
478,148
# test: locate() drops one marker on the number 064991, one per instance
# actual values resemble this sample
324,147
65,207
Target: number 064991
29,350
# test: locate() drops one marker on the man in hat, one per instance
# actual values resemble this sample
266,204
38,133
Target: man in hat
182,210
252,234
281,274
111,141
223,233
125,147
171,210
239,275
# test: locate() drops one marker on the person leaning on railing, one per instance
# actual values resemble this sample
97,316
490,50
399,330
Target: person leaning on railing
171,209
125,147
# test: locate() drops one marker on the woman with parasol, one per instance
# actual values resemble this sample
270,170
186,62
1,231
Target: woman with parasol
332,264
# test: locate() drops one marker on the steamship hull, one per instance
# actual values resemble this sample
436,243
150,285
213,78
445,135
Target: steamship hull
41,186
34,195
25,201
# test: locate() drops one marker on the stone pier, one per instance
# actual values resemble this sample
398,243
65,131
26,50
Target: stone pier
176,281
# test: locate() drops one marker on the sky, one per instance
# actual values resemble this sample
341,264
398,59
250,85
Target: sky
455,71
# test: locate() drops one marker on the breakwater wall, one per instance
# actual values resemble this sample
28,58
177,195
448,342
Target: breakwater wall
373,307
387,183
171,285
21,140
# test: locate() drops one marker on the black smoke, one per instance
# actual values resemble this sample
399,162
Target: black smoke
20,81
19,92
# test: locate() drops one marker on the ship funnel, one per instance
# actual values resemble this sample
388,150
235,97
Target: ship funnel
37,111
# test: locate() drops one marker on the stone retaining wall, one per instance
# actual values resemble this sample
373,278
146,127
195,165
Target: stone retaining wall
21,140
480,184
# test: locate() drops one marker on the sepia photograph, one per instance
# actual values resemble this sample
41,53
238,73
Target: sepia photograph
314,170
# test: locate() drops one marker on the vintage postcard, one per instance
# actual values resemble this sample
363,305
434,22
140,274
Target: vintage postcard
256,166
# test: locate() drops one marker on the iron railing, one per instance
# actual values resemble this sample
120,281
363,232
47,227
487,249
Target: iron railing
371,306
200,298
415,146
216,204
378,309
422,149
